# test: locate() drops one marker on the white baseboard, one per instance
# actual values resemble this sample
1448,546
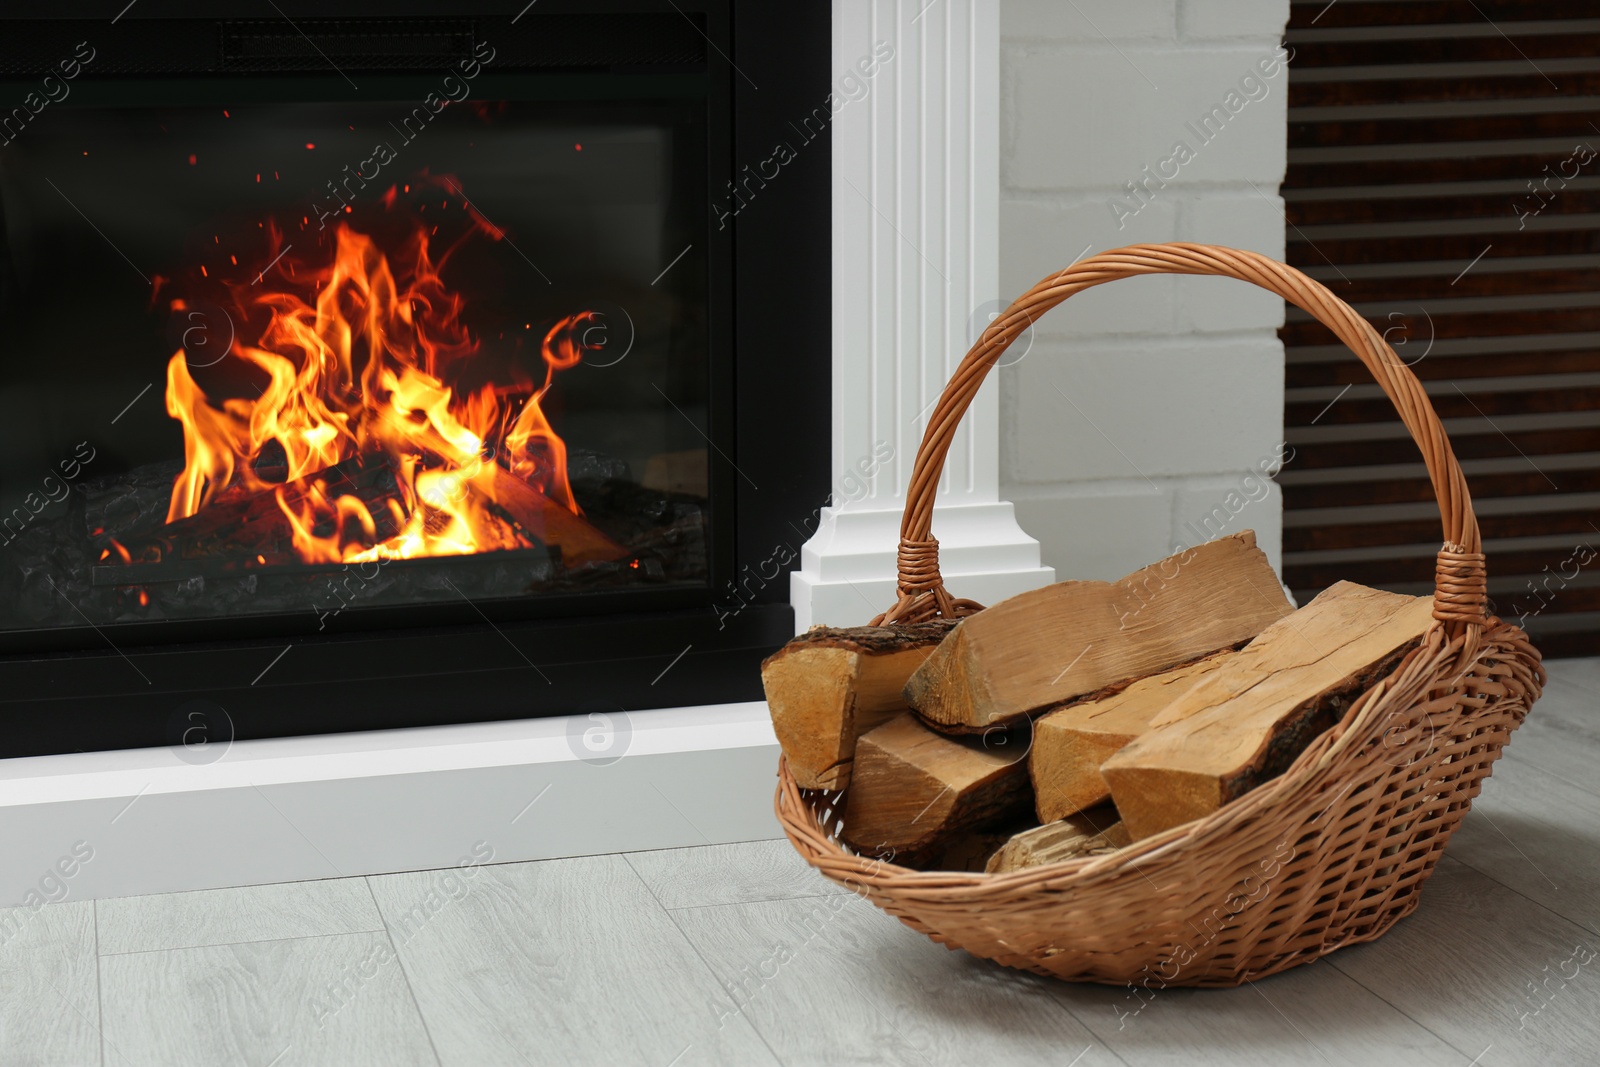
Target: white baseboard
353,804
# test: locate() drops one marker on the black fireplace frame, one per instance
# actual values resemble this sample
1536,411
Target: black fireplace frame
151,684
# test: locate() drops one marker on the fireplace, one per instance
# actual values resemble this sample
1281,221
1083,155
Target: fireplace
365,373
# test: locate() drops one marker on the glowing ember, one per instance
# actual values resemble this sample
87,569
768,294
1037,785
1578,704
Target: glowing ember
355,357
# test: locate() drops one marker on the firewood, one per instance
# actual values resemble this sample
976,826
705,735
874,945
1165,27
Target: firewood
548,522
830,685
1070,743
677,472
913,791
971,851
1048,646
1087,833
248,528
1245,722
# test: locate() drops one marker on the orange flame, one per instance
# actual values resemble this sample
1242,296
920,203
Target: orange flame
356,361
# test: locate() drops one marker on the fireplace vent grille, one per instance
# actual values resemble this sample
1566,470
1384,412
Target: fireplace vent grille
164,47
363,44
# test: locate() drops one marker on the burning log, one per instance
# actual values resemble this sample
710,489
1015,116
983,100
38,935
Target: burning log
545,521
360,501
253,530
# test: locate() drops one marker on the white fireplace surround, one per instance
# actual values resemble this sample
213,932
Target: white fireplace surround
915,232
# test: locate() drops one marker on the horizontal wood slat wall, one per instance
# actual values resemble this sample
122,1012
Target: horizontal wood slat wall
1444,177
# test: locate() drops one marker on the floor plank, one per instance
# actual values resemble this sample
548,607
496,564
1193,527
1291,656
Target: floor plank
1468,962
1561,735
1312,1014
233,916
1539,836
335,1000
833,981
1579,672
568,961
49,996
729,874
576,961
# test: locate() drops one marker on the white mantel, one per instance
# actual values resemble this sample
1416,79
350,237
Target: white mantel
916,203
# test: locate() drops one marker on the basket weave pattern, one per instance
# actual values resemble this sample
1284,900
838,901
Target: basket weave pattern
1332,852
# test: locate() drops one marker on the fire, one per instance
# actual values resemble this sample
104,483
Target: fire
367,450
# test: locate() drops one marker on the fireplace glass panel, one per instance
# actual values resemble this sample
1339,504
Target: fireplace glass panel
304,358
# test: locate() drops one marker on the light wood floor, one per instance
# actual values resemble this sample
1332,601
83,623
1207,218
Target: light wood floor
739,954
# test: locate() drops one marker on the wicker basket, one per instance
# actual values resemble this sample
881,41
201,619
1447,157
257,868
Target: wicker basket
1331,853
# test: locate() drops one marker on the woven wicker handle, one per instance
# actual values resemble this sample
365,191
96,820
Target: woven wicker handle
1460,587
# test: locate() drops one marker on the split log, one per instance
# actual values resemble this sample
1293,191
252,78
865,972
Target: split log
912,791
547,522
1096,832
678,472
1070,743
830,685
1245,722
1048,646
541,519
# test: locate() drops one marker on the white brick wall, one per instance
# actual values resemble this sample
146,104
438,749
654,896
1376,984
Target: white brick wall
1138,407
1088,23
1144,410
1246,19
1088,117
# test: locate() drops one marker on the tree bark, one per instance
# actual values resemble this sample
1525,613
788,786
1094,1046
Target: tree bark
830,685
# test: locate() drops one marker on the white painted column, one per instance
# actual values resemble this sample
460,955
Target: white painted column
915,262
